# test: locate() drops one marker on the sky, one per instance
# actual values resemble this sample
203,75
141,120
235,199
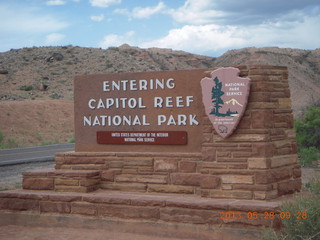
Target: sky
205,27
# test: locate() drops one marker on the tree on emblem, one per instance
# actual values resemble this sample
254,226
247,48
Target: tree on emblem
217,93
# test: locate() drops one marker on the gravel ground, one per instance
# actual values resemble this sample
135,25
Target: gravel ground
11,176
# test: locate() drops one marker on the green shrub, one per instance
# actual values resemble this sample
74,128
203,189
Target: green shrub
304,220
308,155
71,140
308,136
9,143
1,137
308,130
26,88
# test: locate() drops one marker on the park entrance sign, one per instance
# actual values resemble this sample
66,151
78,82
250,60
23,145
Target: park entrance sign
181,132
160,109
172,134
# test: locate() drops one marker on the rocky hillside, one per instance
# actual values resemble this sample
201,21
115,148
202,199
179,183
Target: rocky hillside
47,72
303,66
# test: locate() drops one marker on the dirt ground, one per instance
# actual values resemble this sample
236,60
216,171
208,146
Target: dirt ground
36,122
43,233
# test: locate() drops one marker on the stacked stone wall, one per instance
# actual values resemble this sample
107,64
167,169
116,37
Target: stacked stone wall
259,161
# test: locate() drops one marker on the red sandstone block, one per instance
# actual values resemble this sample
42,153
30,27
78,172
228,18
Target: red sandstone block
55,207
37,183
138,161
65,197
237,179
262,118
210,182
188,167
198,203
89,182
66,181
83,160
290,186
38,173
19,204
297,171
108,175
209,154
136,187
163,188
245,123
263,150
123,200
259,97
192,179
283,160
134,212
84,209
256,187
148,201
77,173
207,128
238,166
166,165
263,177
189,216
265,195
142,179
207,137
230,194
79,189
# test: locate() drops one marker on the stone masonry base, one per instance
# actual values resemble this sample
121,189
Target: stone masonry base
154,208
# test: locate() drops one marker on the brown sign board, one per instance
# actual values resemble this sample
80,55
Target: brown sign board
164,101
146,138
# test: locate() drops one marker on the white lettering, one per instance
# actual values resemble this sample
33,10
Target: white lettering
171,121
100,104
192,120
133,85
106,86
143,84
87,121
179,101
158,102
182,119
168,101
90,103
161,119
189,100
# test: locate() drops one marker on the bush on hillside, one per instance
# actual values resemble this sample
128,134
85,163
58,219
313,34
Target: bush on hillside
308,136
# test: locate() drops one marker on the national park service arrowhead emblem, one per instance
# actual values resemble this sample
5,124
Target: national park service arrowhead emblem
225,96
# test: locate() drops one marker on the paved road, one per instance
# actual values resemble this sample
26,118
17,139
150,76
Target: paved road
32,154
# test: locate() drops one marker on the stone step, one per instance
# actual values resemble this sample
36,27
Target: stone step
148,207
61,180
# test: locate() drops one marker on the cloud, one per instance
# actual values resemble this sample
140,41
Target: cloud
235,12
199,39
213,39
28,20
196,12
97,18
113,40
55,2
54,38
142,12
104,3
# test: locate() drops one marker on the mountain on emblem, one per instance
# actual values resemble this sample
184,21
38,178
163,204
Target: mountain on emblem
225,96
233,102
